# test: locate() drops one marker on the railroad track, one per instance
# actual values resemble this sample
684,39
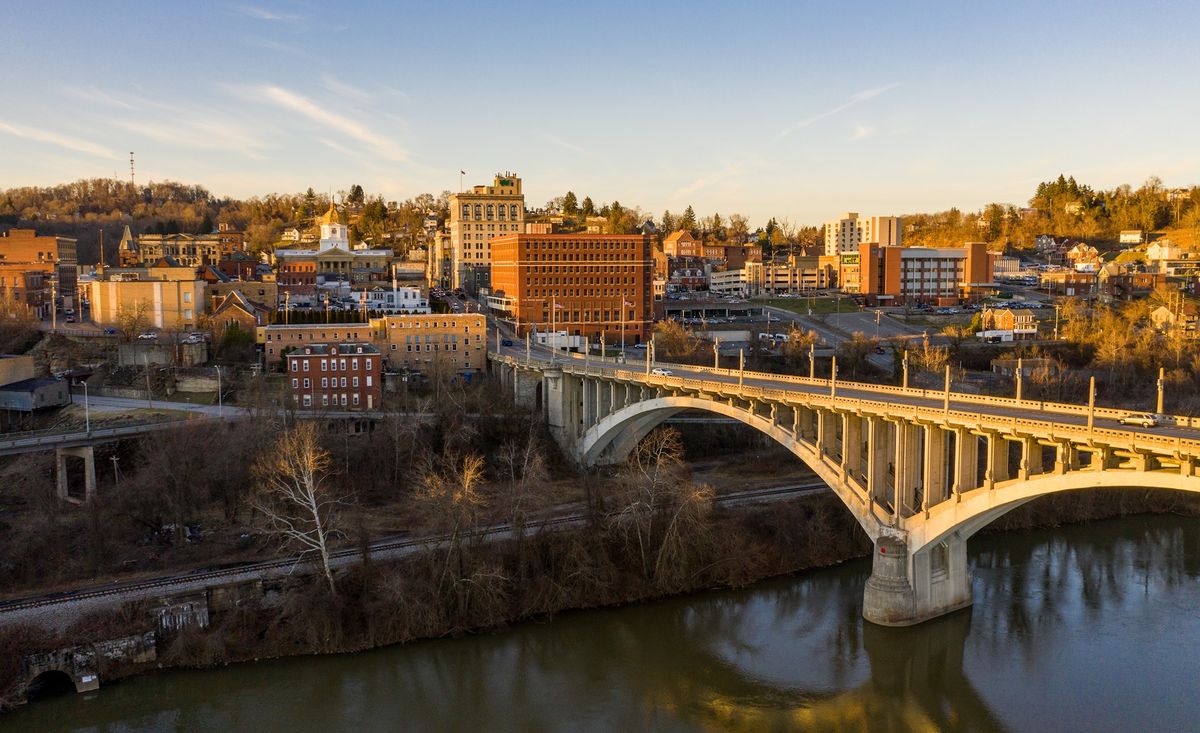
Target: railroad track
386,549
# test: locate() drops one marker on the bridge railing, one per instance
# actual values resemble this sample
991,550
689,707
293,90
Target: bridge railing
1184,421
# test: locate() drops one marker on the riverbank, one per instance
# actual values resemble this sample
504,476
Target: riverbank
475,586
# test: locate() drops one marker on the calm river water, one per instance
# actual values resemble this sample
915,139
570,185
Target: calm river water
1086,628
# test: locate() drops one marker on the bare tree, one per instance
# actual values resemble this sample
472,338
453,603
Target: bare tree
452,489
293,497
133,319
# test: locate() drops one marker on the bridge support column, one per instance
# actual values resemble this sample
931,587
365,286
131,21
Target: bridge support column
877,453
908,588
88,454
851,446
966,462
827,432
934,480
1031,458
997,460
907,465
559,406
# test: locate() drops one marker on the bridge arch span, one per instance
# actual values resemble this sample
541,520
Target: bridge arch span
611,439
981,507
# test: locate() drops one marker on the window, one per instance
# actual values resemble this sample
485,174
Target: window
306,383
306,366
354,381
308,400
356,400
369,381
295,383
187,297
295,365
324,400
354,364
367,364
324,364
343,400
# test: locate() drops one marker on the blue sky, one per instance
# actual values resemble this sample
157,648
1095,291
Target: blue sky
798,110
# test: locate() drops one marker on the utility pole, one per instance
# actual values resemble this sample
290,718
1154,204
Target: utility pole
741,365
1091,402
1019,375
220,404
904,364
1158,407
946,406
812,360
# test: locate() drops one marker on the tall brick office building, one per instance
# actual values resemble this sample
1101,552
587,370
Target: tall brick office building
592,283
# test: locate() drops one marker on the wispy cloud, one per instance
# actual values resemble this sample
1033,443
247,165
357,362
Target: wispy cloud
97,96
198,133
556,140
861,132
62,141
855,99
300,104
730,170
261,13
343,89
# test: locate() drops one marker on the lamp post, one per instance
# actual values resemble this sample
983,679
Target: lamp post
904,364
87,412
1158,406
741,365
1019,370
716,355
1091,402
220,404
833,378
946,406
812,360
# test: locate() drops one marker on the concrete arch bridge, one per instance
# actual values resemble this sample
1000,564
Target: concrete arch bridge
921,470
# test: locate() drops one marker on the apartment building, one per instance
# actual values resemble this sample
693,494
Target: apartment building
924,275
422,343
682,244
54,256
846,233
336,376
476,217
583,284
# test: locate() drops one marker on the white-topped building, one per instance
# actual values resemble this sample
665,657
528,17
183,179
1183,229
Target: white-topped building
843,235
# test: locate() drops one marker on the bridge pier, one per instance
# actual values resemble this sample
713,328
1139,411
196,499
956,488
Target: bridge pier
88,454
908,588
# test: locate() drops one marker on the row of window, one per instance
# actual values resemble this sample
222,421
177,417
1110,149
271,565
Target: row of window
490,211
332,382
308,400
332,365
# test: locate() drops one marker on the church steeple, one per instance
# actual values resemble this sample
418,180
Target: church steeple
127,251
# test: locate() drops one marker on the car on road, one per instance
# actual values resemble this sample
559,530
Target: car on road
660,372
1143,419
110,332
70,319
147,336
879,350
639,346
506,342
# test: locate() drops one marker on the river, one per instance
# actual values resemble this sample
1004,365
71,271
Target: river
1084,628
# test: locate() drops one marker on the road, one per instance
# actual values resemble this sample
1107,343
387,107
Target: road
1072,415
60,609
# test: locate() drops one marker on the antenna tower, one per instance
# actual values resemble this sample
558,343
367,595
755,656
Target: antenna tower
131,183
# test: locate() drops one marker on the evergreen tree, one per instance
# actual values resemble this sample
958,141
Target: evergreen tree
588,208
570,204
688,221
668,222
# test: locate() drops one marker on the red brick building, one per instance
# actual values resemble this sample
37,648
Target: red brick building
336,376
583,284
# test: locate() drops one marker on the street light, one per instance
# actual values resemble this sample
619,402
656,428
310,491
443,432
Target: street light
87,412
220,406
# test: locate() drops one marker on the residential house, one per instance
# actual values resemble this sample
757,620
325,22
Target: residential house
1008,324
1183,317
336,376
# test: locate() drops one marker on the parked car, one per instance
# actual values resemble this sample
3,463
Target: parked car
879,350
147,336
639,346
1143,419
659,371
110,332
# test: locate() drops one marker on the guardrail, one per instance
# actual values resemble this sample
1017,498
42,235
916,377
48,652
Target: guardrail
936,398
31,439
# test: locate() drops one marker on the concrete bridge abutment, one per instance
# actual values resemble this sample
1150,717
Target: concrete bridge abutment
908,588
88,454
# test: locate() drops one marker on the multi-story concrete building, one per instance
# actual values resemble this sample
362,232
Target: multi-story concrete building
54,256
476,216
27,286
583,284
336,376
165,303
425,343
440,260
924,275
797,274
394,300
277,340
845,234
